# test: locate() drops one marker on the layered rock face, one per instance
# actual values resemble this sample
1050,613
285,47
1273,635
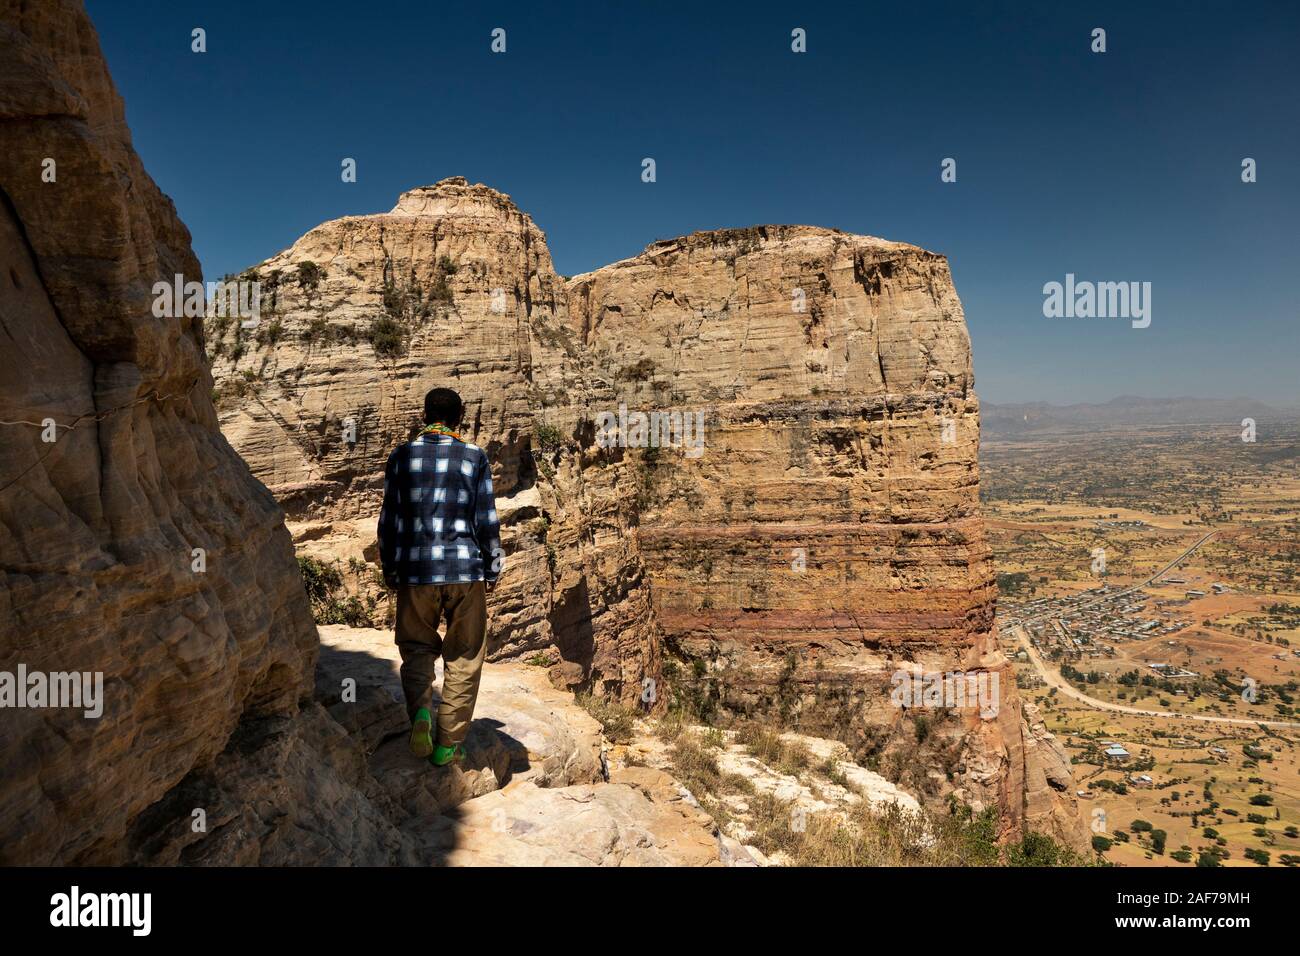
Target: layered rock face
359,319
824,534
112,473
820,534
825,509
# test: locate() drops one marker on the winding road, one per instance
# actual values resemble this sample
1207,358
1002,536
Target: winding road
1053,678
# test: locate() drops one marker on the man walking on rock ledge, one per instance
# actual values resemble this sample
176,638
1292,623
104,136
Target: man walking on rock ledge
440,548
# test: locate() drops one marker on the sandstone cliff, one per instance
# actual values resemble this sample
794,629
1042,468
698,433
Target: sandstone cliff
99,526
826,536
360,318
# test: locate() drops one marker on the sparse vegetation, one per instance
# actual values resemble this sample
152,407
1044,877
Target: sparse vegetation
407,305
323,332
330,603
893,836
641,371
615,720
647,477
549,437
309,275
766,744
387,337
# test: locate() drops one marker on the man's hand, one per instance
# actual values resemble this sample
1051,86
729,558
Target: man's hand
490,586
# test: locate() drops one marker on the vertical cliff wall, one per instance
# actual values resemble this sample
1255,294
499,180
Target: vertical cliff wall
828,530
99,526
825,536
829,501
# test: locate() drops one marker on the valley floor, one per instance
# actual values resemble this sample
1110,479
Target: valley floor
1190,670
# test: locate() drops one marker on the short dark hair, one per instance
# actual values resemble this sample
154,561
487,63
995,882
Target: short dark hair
443,405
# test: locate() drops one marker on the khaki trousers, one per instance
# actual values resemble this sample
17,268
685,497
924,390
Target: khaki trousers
420,610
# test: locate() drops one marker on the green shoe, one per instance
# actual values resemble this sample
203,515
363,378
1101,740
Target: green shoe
422,733
445,755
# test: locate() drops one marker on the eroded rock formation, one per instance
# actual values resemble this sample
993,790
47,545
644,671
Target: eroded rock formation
112,473
826,535
454,285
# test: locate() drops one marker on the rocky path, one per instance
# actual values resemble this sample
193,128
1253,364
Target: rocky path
534,789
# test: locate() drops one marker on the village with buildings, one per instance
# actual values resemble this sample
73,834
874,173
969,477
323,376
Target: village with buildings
1089,625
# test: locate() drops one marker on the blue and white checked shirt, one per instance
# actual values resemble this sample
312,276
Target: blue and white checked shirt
439,520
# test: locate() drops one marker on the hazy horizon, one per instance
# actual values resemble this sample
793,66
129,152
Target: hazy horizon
1285,405
1123,166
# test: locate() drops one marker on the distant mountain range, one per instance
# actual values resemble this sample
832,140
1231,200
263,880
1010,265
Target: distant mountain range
1016,419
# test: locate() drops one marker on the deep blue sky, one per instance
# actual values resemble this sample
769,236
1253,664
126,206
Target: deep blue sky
1121,166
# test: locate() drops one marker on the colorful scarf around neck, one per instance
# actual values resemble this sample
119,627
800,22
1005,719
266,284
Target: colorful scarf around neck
438,428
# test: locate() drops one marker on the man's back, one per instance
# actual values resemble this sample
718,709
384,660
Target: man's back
440,547
439,521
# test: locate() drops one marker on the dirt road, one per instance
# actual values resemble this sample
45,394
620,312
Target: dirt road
1054,679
